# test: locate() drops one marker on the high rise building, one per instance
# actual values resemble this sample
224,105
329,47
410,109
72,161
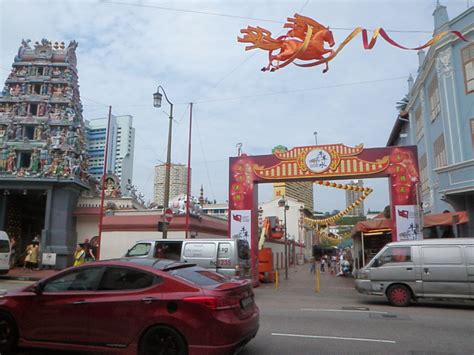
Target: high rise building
178,182
352,196
121,148
302,191
43,159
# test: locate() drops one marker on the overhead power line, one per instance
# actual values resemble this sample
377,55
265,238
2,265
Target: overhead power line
207,13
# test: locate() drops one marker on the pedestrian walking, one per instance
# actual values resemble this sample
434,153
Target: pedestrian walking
32,255
323,264
88,254
313,265
79,255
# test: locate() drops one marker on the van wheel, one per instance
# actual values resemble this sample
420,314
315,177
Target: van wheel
8,334
399,295
162,340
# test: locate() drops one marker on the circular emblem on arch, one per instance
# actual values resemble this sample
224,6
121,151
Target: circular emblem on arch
318,160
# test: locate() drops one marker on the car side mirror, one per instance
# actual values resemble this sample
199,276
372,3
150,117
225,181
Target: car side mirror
38,288
376,263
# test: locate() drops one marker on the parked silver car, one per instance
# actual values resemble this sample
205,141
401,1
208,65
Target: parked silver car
433,268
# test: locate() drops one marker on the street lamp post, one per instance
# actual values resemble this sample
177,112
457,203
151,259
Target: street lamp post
282,202
157,97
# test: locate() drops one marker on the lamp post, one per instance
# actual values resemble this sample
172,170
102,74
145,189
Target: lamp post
282,202
315,137
157,97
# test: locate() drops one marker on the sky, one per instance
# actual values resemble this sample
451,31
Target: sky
127,48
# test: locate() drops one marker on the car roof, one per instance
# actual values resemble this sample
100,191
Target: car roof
435,241
159,264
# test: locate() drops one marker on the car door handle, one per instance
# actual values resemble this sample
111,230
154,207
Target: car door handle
149,300
80,302
409,268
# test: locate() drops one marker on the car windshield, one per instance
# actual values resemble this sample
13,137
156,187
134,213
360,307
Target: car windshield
139,249
4,246
200,276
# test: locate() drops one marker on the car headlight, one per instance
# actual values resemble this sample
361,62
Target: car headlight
362,275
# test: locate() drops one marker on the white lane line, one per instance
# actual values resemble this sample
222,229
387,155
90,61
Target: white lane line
334,338
339,310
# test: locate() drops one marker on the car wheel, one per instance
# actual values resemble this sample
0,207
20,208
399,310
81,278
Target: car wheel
164,341
399,295
8,334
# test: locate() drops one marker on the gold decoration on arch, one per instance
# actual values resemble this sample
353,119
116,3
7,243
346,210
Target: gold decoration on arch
366,191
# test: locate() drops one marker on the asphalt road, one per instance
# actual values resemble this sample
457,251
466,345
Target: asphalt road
338,320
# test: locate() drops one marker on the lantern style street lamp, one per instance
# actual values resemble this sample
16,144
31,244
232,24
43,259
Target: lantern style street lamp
157,98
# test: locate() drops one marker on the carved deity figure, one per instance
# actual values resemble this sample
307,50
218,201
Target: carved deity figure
15,90
58,90
44,157
18,132
22,72
11,161
34,162
38,133
56,71
41,109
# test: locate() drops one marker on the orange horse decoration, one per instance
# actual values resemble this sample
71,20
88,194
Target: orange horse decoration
306,40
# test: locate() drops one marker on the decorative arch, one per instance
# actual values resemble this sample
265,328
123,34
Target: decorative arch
321,162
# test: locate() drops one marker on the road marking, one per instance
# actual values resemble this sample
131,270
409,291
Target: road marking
334,338
339,310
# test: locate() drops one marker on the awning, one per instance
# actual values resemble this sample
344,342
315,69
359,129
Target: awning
373,224
445,219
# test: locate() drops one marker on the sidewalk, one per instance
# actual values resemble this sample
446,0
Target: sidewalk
21,274
300,289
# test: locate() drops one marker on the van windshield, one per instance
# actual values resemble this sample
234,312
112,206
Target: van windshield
243,249
140,249
4,246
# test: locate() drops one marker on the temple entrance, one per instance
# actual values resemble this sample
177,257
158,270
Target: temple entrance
24,217
318,163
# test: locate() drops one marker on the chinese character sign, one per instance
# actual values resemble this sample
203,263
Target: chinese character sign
240,225
407,222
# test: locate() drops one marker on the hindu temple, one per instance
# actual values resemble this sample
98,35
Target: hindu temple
43,160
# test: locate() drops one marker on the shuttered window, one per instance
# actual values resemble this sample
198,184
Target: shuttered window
439,151
418,123
468,65
424,172
433,93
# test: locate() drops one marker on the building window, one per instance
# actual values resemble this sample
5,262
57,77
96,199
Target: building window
418,123
468,65
424,172
439,151
433,93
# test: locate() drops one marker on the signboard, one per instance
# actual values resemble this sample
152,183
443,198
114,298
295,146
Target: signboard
49,259
240,226
407,222
168,215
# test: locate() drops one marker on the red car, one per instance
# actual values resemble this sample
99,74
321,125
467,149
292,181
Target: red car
131,306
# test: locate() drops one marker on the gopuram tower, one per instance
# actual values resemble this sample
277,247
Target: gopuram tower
43,162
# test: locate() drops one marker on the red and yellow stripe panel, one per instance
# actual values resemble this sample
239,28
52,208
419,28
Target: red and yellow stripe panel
347,167
345,151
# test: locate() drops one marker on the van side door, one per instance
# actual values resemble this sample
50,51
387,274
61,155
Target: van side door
469,253
443,271
200,253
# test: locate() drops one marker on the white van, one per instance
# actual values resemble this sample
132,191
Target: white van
432,268
4,253
227,256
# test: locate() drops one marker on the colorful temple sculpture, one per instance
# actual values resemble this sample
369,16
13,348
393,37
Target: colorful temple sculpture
43,159
41,125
